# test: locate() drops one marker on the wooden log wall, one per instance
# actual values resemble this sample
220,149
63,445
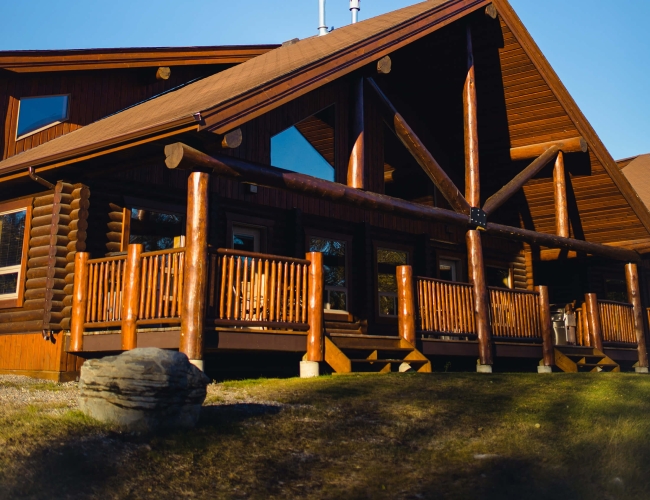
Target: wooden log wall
116,226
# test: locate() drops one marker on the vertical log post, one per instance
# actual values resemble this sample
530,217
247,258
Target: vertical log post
310,367
473,196
196,268
79,301
561,210
357,156
547,331
131,298
405,303
634,298
593,321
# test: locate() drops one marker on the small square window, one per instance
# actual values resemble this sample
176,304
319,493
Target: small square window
38,113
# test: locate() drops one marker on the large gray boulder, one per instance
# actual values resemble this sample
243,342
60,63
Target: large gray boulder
145,389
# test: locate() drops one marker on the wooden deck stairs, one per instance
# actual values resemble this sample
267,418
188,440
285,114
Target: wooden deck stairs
574,359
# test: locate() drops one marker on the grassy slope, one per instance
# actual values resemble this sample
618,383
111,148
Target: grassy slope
386,436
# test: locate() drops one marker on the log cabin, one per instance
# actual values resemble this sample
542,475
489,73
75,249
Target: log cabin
414,188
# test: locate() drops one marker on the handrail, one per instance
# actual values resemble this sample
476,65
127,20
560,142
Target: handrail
445,307
161,284
617,321
253,288
514,313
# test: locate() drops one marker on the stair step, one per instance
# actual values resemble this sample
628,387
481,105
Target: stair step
363,336
338,331
370,347
343,325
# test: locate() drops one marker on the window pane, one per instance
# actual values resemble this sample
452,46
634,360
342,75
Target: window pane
8,283
394,257
333,260
616,290
12,231
38,112
155,230
307,147
337,300
387,305
387,283
497,276
243,242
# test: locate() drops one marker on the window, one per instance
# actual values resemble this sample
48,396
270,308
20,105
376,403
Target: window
334,271
14,231
38,113
387,262
157,229
307,147
616,290
498,276
246,239
448,269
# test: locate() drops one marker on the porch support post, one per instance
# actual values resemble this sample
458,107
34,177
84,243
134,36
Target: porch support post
561,210
131,299
357,156
476,268
196,268
547,331
593,320
634,298
79,301
405,303
315,341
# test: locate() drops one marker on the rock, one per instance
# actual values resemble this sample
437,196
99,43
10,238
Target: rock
145,389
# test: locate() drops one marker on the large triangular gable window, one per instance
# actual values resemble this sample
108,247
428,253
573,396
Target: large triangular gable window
307,147
38,113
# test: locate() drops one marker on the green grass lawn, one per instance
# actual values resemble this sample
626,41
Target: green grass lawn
397,436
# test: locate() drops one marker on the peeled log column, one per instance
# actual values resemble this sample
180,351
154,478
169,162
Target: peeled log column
196,268
472,181
634,298
561,210
405,303
315,349
546,325
131,298
357,156
593,321
476,270
79,302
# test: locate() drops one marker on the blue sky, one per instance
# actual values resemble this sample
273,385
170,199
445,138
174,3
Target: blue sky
599,48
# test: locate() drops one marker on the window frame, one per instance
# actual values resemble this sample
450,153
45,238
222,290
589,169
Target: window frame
376,245
45,127
15,206
265,227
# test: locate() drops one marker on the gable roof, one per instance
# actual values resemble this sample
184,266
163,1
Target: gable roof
637,172
34,61
240,93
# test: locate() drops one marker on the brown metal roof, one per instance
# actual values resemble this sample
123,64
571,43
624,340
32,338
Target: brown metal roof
242,92
33,61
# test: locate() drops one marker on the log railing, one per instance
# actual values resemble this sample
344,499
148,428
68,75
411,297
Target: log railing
582,327
252,289
161,286
515,313
445,307
617,322
105,287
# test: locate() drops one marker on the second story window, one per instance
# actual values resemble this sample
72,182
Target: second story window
38,113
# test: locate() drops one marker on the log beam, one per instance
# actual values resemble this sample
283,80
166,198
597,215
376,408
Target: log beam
546,325
573,145
196,268
561,208
357,156
384,65
634,298
507,191
421,154
79,301
472,179
593,321
131,300
181,156
476,272
315,339
405,303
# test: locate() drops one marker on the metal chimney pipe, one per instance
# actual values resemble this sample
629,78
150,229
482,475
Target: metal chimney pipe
355,7
322,27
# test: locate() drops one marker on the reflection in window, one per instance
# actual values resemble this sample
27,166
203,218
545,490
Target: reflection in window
447,270
156,230
498,276
12,233
616,290
336,288
36,113
246,239
387,262
307,147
